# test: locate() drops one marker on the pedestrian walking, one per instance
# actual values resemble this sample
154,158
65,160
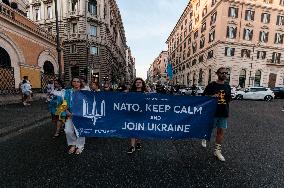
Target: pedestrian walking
223,91
26,92
75,144
138,85
57,107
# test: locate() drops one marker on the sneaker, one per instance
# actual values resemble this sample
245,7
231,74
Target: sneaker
131,150
203,143
219,155
138,146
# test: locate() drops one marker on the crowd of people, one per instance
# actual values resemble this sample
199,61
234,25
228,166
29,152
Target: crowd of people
60,99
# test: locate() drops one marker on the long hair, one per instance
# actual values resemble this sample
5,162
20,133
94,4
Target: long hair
133,87
81,83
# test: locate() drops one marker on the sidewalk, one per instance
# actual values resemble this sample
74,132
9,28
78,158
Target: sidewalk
15,117
17,98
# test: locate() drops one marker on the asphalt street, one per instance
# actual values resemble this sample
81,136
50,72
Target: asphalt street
253,148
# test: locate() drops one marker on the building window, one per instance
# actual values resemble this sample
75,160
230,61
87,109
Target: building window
213,18
278,38
184,45
213,2
280,20
93,30
249,16
265,18
190,27
203,27
210,54
212,36
73,48
194,47
202,42
229,51
37,14
49,29
194,62
94,50
197,19
261,55
245,53
92,7
263,36
189,40
74,28
195,34
233,12
204,12
276,57
188,52
74,5
267,1
49,12
231,32
281,2
248,33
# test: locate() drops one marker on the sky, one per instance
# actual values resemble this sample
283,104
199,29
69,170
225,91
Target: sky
148,24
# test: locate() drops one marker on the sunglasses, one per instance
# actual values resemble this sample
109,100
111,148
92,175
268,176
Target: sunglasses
224,73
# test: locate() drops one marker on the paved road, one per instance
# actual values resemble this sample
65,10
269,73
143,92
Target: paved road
253,149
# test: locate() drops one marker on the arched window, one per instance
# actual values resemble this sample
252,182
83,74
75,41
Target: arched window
5,60
209,75
242,78
48,68
257,78
92,8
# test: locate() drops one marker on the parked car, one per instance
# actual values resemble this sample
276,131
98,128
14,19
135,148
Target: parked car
278,92
255,93
188,90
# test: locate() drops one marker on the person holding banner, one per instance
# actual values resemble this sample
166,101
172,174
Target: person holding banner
223,91
75,144
56,99
138,85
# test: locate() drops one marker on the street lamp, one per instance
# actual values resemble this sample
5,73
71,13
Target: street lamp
58,41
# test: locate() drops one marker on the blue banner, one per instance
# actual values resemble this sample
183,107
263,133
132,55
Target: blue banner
142,115
170,70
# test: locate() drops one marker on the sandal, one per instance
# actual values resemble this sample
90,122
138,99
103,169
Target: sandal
79,151
72,149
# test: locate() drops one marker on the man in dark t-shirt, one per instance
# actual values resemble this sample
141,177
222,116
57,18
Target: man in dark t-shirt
223,92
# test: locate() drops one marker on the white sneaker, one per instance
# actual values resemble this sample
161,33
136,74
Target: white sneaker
219,155
203,143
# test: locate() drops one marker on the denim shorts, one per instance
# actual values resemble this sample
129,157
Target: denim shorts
220,122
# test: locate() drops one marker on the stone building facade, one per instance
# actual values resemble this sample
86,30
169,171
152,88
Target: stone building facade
94,43
158,69
25,50
245,36
130,67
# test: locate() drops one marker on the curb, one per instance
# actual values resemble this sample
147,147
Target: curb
6,131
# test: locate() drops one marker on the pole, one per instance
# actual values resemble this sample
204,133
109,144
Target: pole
58,41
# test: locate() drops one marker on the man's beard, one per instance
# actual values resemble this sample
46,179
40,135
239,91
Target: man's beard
222,78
